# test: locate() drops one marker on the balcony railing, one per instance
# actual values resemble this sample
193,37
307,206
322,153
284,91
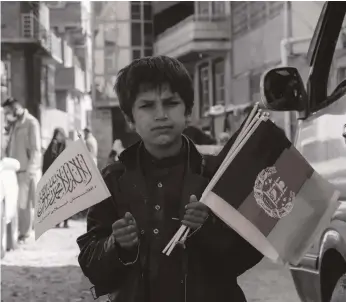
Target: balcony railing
70,78
32,28
195,33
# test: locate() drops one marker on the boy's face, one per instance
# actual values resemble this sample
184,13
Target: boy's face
159,115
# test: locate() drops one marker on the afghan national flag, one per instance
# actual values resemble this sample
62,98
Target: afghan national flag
272,197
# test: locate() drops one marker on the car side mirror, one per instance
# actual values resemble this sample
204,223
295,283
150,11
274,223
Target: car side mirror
282,89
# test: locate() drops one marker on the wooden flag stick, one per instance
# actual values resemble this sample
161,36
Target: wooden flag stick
180,232
173,240
251,127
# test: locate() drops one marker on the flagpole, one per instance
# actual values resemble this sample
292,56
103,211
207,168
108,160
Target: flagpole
252,124
247,126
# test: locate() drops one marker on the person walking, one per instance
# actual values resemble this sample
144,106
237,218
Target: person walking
56,146
91,143
24,145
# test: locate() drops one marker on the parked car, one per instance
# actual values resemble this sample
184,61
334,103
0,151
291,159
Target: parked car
319,137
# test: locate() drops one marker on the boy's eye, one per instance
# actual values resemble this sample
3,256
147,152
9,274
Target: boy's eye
172,103
146,106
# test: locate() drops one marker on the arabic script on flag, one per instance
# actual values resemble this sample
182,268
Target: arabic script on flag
71,184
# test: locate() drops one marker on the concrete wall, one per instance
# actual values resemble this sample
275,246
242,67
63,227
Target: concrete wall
10,19
258,47
69,15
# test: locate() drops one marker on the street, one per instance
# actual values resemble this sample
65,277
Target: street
48,271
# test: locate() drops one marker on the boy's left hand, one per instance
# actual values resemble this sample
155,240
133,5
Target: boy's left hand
195,213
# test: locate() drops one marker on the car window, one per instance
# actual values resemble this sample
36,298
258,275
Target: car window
322,52
338,69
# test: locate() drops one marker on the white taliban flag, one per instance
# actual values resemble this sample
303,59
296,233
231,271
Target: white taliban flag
71,184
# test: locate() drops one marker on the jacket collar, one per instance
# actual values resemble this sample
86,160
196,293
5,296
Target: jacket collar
194,158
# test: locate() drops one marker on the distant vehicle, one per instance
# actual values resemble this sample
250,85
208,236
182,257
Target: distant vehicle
320,138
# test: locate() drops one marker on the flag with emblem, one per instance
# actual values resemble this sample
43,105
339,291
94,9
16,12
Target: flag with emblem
272,197
269,194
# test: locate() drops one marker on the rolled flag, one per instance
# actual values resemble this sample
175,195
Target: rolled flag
272,197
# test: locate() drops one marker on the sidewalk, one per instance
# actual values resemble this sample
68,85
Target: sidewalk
48,271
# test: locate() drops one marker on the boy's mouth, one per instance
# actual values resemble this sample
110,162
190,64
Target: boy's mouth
162,128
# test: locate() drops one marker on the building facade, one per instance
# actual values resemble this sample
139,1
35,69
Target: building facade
271,34
71,20
123,31
30,52
198,34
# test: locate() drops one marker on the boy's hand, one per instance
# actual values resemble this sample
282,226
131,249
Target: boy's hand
195,214
125,232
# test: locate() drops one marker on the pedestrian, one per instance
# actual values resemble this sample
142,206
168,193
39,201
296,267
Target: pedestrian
91,143
224,138
56,146
117,148
154,188
198,136
24,145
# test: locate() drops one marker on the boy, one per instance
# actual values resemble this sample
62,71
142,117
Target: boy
155,187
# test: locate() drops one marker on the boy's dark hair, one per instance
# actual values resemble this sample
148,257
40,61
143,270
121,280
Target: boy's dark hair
154,71
10,102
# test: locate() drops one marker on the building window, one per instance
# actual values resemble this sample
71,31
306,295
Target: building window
136,54
135,10
110,60
148,16
148,34
211,9
248,15
219,82
148,52
6,76
218,8
136,34
255,81
204,81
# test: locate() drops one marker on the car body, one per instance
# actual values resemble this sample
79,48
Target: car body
320,137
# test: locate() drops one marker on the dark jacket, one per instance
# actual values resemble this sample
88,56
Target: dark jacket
213,258
53,151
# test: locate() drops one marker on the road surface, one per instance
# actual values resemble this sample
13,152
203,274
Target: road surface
48,271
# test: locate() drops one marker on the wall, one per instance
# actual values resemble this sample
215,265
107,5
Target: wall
10,19
69,15
18,78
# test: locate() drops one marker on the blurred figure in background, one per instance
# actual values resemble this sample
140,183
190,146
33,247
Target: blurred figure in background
223,138
24,144
91,143
56,146
198,136
115,152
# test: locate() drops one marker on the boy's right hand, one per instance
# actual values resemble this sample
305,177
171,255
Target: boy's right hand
125,232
